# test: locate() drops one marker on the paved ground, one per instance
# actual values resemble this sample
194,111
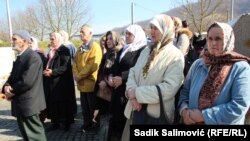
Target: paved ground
9,130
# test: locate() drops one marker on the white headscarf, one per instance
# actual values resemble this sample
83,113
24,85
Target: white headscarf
139,41
34,43
228,42
65,37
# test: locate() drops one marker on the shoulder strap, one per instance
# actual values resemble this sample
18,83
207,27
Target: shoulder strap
162,111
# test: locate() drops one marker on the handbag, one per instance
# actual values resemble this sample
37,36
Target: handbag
105,94
142,117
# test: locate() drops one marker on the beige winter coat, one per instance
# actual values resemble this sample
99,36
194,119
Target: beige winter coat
167,72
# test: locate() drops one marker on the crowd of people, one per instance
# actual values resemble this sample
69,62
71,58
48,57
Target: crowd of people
215,91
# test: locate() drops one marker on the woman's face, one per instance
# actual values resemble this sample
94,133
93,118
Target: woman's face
129,37
155,34
110,42
215,41
52,39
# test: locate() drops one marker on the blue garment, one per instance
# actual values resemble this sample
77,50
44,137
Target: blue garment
231,104
72,51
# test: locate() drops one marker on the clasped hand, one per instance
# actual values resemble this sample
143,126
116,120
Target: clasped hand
130,93
192,116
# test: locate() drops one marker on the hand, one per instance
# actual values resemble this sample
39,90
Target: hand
7,89
47,72
186,117
8,93
117,80
102,85
196,115
136,106
130,93
111,82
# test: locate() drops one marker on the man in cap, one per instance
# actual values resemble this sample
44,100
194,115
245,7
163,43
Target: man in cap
24,88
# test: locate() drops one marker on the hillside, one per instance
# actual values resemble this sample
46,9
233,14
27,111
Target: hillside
240,7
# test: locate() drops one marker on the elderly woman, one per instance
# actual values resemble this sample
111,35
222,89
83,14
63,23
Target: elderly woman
158,64
60,87
136,40
216,89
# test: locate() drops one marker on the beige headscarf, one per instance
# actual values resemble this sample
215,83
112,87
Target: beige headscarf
229,39
53,48
65,37
165,25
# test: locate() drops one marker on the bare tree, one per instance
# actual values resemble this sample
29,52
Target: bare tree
65,14
4,30
201,13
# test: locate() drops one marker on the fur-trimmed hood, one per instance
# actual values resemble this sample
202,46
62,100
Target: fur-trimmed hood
185,31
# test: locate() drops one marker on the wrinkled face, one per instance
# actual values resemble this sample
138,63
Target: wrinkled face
52,39
85,34
19,43
215,41
110,42
129,37
155,34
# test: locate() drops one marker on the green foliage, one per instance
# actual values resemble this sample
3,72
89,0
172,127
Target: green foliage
43,45
77,42
4,44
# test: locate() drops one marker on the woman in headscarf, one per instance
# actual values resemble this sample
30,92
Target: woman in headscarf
216,89
34,46
68,44
61,98
158,64
135,42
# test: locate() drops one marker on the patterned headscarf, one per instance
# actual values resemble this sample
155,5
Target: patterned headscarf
228,42
220,67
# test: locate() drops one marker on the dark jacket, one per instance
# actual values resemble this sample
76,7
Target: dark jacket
26,81
61,99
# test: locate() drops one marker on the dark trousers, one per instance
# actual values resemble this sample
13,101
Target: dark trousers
87,105
31,128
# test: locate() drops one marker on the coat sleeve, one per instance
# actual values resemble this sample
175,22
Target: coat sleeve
170,84
28,77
